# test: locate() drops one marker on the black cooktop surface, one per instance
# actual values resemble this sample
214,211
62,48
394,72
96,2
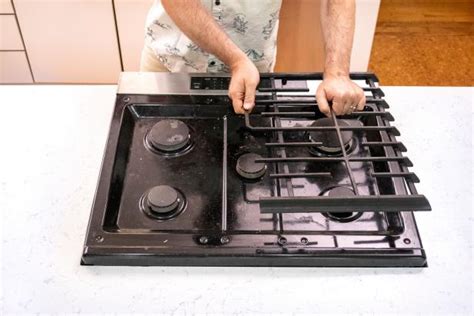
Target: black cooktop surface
185,181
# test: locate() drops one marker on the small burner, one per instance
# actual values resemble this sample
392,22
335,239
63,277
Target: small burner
162,199
329,138
169,137
342,217
249,169
163,202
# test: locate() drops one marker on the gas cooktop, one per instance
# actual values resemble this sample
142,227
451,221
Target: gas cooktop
185,181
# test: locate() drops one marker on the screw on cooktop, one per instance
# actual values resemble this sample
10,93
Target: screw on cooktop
126,99
407,241
99,238
225,240
282,241
203,240
304,240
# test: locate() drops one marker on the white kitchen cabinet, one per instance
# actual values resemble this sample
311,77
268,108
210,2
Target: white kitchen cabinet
6,7
14,68
10,38
366,20
70,41
131,15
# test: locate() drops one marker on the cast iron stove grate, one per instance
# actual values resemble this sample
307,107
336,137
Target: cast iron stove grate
377,122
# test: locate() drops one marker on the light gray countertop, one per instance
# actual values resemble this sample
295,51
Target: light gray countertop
52,141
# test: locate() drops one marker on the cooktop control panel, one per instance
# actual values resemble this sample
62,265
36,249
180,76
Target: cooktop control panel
219,83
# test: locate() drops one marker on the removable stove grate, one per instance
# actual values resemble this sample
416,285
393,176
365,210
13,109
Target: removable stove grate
384,151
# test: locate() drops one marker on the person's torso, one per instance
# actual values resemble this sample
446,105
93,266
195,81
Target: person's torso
251,24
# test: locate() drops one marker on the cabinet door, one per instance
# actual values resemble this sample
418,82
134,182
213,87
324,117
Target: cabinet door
366,20
70,41
10,38
14,68
131,15
300,39
6,7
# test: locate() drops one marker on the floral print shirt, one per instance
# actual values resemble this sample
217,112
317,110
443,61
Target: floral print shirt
251,24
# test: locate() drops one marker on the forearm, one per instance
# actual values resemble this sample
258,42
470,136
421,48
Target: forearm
198,24
337,23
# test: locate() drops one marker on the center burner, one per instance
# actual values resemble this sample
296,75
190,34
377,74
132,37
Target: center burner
163,202
169,137
342,217
329,139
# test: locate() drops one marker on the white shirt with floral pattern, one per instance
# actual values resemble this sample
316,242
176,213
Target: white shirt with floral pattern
251,24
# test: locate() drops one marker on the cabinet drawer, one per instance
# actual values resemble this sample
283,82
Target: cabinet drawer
14,68
10,38
70,41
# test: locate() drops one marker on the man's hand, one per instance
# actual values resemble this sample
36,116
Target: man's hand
245,78
338,23
345,95
194,20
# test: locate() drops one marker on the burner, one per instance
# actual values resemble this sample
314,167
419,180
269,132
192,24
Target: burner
169,137
329,139
342,217
249,169
163,202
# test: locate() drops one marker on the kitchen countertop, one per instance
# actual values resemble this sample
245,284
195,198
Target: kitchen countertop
52,140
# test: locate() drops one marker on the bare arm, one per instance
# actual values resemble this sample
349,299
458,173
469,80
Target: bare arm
198,24
338,23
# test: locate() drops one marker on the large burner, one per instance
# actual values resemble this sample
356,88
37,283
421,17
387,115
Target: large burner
248,168
329,138
169,137
163,202
342,217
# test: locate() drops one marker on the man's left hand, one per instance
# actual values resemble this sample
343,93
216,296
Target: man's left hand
345,95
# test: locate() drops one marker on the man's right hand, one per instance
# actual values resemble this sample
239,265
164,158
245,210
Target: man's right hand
244,82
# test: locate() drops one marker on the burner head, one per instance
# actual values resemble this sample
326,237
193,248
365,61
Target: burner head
163,202
328,138
162,199
248,168
343,217
169,135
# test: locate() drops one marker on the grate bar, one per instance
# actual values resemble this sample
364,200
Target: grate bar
398,145
404,160
391,129
317,76
407,175
344,154
294,144
300,175
288,89
360,203
309,114
295,101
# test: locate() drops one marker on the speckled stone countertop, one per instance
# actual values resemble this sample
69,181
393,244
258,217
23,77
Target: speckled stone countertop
52,141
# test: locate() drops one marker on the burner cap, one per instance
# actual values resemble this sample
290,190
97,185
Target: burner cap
341,191
162,199
169,135
329,138
248,168
342,216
